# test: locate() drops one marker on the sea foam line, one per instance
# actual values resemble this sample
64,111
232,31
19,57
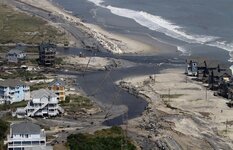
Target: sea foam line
96,2
156,23
162,25
159,24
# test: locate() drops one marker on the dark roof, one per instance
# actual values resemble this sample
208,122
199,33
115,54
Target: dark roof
57,82
48,46
25,128
11,83
17,49
222,72
210,63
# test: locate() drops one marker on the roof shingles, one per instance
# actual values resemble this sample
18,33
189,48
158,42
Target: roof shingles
38,94
25,128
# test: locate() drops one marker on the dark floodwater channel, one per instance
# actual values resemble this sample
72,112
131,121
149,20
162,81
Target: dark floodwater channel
101,86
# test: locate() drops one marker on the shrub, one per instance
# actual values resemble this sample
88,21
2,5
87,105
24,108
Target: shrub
107,139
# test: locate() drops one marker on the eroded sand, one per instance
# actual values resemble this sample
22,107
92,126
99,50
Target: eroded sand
190,118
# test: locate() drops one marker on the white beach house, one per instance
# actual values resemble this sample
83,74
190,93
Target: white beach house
25,136
43,103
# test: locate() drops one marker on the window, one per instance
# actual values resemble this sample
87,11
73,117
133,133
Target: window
17,143
35,142
26,142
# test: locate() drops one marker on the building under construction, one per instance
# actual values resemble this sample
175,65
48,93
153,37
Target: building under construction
47,52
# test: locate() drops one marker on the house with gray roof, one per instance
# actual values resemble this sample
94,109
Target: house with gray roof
13,90
43,103
15,55
26,135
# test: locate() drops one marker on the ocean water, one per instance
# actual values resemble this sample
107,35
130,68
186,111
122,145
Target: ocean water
200,27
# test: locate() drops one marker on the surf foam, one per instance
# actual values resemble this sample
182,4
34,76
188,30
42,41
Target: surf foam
184,51
162,25
159,24
96,2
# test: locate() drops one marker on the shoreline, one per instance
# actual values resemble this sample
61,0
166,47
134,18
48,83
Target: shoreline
112,42
183,119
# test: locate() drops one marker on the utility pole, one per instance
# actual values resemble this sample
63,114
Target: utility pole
206,93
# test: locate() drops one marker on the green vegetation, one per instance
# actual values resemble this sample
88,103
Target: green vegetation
33,61
59,61
74,103
3,132
4,49
171,95
38,86
106,139
24,75
13,106
9,118
16,27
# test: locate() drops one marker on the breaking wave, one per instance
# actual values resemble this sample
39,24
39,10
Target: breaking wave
96,2
184,51
156,23
159,24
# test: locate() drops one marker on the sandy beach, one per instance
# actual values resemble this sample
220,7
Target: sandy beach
191,117
114,43
96,63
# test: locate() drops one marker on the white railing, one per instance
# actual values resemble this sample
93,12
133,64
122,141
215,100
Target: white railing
38,108
19,139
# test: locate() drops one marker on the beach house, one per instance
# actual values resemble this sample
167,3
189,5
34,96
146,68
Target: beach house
191,68
13,90
26,135
58,87
219,78
47,52
16,55
43,103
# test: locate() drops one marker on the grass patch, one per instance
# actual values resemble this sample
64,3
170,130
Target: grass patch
22,74
16,27
4,126
59,61
13,106
171,95
38,86
33,61
4,49
9,118
106,139
75,103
